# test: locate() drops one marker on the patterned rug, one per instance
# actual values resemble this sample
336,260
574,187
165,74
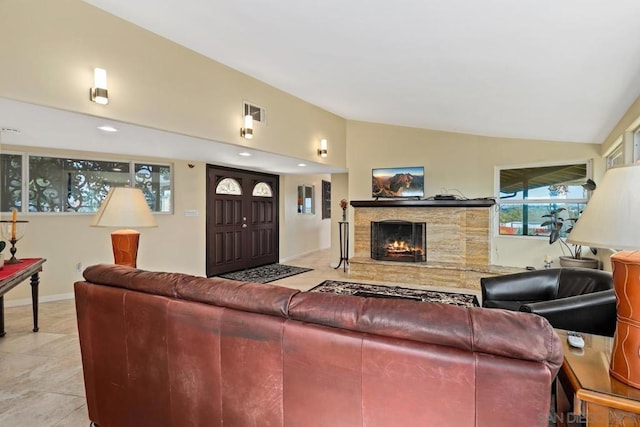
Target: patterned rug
265,273
380,291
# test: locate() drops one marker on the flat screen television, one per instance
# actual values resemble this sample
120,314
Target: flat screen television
398,182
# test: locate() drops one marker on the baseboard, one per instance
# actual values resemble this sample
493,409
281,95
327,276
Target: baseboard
46,298
282,260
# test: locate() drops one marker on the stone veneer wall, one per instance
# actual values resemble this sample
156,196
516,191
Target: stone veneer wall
454,235
458,247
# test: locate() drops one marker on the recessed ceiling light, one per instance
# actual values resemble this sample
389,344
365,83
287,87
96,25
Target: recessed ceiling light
244,154
302,165
107,128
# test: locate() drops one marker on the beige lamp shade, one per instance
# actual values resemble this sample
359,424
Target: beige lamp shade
124,207
612,216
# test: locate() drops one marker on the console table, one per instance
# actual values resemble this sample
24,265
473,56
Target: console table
585,392
14,274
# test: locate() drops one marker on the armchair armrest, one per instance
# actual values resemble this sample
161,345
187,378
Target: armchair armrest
593,313
536,285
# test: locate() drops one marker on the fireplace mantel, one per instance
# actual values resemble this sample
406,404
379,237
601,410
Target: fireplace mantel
427,203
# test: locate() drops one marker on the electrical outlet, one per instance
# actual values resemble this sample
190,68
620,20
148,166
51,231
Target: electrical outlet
79,267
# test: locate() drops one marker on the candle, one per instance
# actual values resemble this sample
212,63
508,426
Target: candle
14,213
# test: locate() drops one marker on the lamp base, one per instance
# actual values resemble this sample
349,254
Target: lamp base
125,247
625,358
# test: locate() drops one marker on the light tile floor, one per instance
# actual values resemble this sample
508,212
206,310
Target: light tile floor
41,382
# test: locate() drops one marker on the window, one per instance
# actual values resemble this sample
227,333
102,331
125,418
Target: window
262,189
10,182
616,157
306,203
636,146
155,182
526,194
54,184
229,186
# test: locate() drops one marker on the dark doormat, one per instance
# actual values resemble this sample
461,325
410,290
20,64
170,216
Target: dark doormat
265,273
381,291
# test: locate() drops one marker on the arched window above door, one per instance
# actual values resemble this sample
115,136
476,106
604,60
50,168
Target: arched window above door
262,189
229,186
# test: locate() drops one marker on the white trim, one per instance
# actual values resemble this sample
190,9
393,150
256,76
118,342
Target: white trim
47,298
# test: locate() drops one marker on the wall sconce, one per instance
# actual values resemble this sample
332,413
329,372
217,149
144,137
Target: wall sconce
247,131
98,93
322,151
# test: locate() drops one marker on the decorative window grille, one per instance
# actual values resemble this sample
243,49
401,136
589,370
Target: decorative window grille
229,186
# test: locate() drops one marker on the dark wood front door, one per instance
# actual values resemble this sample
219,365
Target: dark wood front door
242,219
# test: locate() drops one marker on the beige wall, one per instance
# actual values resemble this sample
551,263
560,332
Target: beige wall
460,164
50,48
49,51
301,234
66,240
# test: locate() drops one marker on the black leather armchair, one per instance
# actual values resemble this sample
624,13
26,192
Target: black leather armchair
575,299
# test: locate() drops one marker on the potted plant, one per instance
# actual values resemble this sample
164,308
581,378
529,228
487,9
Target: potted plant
575,258
557,222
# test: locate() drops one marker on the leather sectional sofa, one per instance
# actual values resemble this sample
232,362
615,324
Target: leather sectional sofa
168,349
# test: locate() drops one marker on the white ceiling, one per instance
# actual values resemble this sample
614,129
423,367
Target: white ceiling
542,69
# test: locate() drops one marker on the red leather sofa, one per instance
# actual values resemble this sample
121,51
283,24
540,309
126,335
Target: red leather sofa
169,349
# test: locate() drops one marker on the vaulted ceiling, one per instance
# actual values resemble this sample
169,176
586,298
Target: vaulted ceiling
541,69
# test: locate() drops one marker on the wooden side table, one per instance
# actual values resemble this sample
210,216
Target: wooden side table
14,274
585,392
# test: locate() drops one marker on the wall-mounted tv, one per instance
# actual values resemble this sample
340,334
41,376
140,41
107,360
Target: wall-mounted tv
398,182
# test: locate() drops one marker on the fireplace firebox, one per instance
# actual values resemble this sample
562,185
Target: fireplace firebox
401,241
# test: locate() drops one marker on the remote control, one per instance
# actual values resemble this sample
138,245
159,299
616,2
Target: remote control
575,339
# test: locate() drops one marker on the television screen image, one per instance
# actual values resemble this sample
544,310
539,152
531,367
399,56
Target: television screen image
398,182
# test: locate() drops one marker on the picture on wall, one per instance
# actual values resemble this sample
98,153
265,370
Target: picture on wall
326,199
398,182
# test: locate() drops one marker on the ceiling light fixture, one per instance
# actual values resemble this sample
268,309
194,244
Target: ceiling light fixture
98,93
107,128
244,154
322,151
247,131
302,165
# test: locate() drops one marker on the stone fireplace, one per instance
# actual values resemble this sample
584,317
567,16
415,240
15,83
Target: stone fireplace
399,241
458,243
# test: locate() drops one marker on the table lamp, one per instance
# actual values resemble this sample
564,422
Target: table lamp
612,220
124,207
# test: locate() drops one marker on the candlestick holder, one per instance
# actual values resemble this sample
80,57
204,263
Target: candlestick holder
13,231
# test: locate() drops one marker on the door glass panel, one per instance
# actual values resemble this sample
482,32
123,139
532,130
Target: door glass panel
229,186
262,189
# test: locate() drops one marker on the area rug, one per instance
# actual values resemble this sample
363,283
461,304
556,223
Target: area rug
380,291
265,273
